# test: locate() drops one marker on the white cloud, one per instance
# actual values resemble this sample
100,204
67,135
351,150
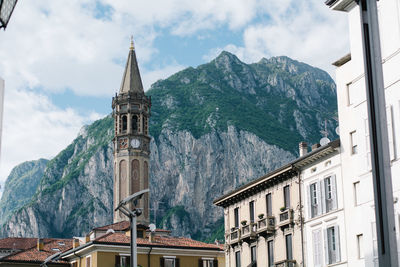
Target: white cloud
303,30
35,128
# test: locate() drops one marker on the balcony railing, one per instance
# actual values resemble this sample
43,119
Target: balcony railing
234,236
249,231
266,225
286,217
285,263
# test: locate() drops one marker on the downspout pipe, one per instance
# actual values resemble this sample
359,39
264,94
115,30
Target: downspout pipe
301,217
148,257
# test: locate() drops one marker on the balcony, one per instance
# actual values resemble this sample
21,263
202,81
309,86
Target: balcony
234,236
266,226
285,263
286,218
249,232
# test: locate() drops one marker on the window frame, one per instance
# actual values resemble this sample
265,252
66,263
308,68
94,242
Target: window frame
286,196
289,247
268,204
238,259
236,217
270,251
353,143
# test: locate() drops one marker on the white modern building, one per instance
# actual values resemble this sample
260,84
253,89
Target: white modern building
361,240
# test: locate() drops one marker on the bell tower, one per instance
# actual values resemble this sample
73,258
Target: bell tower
131,112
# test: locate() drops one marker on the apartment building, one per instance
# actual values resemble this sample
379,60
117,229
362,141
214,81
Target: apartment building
361,239
263,219
324,222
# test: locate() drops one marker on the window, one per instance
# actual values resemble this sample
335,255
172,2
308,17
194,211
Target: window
367,143
353,143
134,124
237,258
236,214
270,246
391,141
269,204
169,262
330,193
208,263
289,252
356,190
314,199
332,245
88,261
317,247
251,207
360,246
122,261
253,254
286,196
124,123
74,264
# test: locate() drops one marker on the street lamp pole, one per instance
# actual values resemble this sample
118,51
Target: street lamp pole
380,155
132,214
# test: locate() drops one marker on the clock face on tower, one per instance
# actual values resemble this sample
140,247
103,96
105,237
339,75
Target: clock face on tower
135,143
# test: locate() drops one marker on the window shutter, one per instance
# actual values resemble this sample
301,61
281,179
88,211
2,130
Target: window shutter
317,246
215,263
337,239
309,201
161,262
326,246
367,144
334,192
200,263
117,260
177,264
321,199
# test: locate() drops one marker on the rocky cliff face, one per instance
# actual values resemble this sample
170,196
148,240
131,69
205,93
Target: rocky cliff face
214,128
20,187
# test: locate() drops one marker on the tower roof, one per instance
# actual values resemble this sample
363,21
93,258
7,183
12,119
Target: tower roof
131,81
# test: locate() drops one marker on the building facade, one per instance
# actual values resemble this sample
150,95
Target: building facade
264,220
324,221
131,112
353,120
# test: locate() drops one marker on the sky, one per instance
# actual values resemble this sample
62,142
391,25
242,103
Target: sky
63,60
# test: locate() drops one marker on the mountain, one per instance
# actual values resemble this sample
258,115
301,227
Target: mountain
20,187
214,128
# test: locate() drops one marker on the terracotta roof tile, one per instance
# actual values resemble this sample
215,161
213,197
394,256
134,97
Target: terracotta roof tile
51,246
17,243
119,226
165,241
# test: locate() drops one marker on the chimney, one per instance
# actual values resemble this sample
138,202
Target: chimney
40,244
303,148
315,146
75,243
151,237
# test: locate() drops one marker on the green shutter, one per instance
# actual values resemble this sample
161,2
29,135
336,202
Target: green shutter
177,262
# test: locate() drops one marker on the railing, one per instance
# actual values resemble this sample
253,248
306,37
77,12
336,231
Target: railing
249,231
285,263
286,217
266,224
235,236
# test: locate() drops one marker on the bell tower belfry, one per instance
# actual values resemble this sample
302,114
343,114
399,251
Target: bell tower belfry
131,112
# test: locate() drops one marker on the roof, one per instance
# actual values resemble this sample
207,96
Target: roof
285,172
119,226
33,255
17,243
342,60
131,81
158,241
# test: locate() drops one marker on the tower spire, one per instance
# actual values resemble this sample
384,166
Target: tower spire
131,81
